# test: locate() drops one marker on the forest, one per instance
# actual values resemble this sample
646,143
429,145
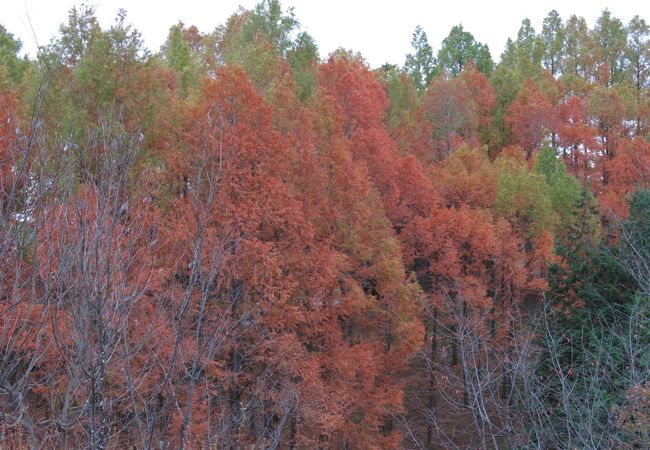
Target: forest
233,243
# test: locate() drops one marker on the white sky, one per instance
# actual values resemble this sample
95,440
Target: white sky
381,30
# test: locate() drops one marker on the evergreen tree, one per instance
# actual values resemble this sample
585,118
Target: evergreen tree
597,337
10,63
553,37
421,64
460,47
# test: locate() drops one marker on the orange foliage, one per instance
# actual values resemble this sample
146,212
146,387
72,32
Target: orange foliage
629,170
531,117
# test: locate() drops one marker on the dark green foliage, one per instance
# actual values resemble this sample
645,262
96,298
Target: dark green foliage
564,188
177,56
421,64
258,40
11,66
303,59
610,37
597,339
577,48
525,53
268,20
460,47
402,98
553,38
523,197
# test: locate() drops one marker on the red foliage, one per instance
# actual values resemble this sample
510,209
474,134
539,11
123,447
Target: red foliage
449,117
240,267
629,170
481,91
577,138
531,118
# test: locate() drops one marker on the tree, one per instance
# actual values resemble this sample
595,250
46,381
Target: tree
507,83
595,339
449,118
484,98
576,60
96,260
9,60
261,40
403,99
22,320
303,59
606,111
523,198
531,118
564,189
421,64
76,34
466,177
629,171
460,47
177,55
610,39
577,139
524,54
269,20
553,39
231,243
638,56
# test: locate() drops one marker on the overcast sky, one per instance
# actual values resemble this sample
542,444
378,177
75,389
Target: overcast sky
381,30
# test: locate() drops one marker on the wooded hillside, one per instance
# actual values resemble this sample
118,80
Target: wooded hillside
231,243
